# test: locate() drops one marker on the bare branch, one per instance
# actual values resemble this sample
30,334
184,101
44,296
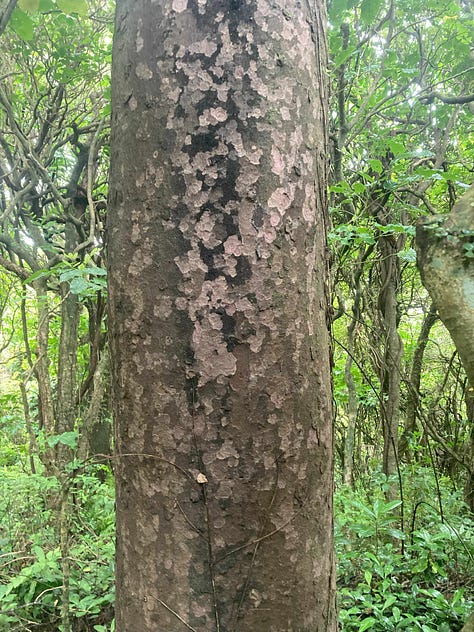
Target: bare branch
456,100
15,268
6,9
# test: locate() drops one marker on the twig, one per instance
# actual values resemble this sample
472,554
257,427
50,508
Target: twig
149,456
90,176
208,520
264,537
254,555
193,526
211,558
165,605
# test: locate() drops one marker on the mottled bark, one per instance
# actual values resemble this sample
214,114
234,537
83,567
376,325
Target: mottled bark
447,271
218,306
95,431
469,625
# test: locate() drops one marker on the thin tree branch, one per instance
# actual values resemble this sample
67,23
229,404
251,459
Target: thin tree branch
6,9
456,100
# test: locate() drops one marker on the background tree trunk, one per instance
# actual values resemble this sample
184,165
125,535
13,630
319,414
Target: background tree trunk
413,396
447,269
218,317
6,9
445,258
390,373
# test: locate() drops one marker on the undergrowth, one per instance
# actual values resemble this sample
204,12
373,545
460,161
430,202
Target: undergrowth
419,577
31,578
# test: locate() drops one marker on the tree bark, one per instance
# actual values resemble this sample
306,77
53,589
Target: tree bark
390,374
444,249
6,9
352,398
413,399
218,317
448,273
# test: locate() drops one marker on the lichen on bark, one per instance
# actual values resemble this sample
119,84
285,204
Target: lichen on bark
218,301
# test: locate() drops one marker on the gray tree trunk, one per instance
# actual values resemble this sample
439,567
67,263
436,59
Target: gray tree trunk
445,259
390,373
218,317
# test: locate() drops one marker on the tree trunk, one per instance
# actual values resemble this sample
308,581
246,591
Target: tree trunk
218,317
446,262
45,394
352,398
390,374
413,399
66,408
6,9
445,248
469,486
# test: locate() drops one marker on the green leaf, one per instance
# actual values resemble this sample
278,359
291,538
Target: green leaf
39,274
31,6
22,24
363,508
391,599
367,624
336,7
69,274
365,235
38,551
66,438
358,187
391,505
78,285
369,9
397,228
469,250
408,255
397,534
376,165
73,6
344,55
47,5
95,270
396,147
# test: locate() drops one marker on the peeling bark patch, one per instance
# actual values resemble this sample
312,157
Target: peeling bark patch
143,72
180,5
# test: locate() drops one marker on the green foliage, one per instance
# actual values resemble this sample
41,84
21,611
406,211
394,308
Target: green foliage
84,279
73,6
13,441
428,587
30,558
65,438
23,24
